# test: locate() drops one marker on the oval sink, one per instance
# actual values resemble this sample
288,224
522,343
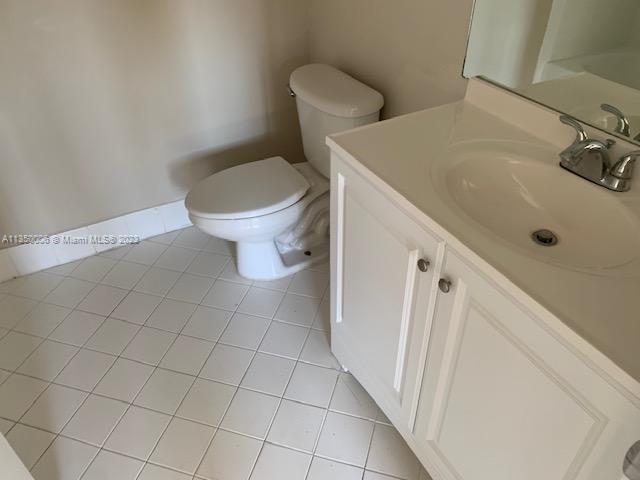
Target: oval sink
508,192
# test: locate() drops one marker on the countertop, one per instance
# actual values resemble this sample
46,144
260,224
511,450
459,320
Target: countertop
601,307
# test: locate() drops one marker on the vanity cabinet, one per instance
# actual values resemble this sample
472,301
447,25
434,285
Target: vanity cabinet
479,387
385,289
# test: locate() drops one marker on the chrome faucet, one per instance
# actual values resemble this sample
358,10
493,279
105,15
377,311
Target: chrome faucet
590,159
623,126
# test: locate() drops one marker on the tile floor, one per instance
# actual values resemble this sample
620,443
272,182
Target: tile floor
159,362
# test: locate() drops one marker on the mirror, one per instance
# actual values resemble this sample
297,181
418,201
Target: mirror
579,57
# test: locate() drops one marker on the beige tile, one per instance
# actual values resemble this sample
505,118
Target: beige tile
345,439
112,336
296,426
69,293
261,301
17,394
164,391
149,345
137,432
284,339
54,408
227,364
42,320
136,307
250,413
29,443
125,274
349,397
48,360
207,323
277,463
15,348
85,370
298,309
157,281
77,328
176,258
65,459
125,380
310,283
93,269
187,355
389,454
111,466
322,469
95,419
171,315
268,374
182,445
312,384
13,309
102,300
230,457
154,472
245,331
190,288
225,295
206,402
208,264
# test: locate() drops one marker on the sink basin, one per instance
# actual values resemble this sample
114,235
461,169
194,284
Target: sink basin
511,190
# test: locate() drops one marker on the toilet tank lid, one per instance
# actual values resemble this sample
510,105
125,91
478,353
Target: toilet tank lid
334,92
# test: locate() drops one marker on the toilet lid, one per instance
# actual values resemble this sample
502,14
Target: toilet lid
249,190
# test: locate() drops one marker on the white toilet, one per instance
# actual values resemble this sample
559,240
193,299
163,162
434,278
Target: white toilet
278,213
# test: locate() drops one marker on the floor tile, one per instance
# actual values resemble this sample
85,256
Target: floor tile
312,384
245,331
4,374
149,345
136,307
17,394
230,273
208,264
13,309
191,237
65,459
77,328
124,275
296,426
5,426
349,397
116,253
322,320
165,238
35,286
15,348
230,457
54,408
85,370
42,320
112,336
93,269
323,469
207,323
145,252
157,281
261,302
345,439
190,288
284,339
206,402
182,445
218,245
369,475
225,295
268,374
29,443
125,380
137,432
298,309
316,350
171,315
309,282
389,454
227,364
102,300
48,360
277,463
164,391
95,419
280,284
250,413
64,269
70,292
154,472
111,466
176,258
187,355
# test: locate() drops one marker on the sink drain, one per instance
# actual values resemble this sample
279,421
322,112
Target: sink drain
544,237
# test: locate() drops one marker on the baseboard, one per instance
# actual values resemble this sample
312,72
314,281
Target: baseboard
28,258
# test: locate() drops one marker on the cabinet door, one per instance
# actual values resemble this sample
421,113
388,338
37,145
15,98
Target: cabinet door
381,298
503,398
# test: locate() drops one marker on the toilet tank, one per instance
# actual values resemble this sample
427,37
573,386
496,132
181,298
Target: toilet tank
330,101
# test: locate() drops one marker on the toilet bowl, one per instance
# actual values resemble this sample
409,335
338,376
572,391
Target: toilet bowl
276,212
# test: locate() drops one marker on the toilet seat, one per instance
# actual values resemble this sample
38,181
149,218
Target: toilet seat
249,190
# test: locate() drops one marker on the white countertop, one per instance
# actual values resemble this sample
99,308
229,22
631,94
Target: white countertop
603,308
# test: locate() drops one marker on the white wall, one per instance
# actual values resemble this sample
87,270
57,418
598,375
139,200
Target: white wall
110,106
411,50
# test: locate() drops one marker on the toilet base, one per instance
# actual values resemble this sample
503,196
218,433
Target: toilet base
263,260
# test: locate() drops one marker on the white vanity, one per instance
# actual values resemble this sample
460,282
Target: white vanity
495,357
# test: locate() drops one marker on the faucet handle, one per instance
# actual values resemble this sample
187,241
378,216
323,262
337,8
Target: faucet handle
623,126
623,168
581,135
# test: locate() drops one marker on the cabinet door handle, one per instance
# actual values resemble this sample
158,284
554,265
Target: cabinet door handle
631,467
423,265
444,285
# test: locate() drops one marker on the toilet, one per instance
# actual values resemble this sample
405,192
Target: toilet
276,212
